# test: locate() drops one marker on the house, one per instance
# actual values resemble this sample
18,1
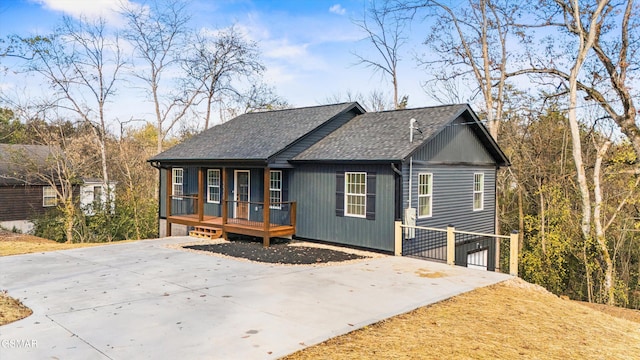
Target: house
25,193
333,173
94,194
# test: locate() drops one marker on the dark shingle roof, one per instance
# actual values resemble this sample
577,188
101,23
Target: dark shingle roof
16,161
382,135
253,136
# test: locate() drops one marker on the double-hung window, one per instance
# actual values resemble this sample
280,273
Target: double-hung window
478,191
355,194
177,181
425,190
275,189
213,186
49,197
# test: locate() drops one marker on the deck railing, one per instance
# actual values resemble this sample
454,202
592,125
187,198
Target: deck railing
479,250
184,205
250,213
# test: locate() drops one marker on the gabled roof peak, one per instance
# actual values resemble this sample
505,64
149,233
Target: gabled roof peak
256,136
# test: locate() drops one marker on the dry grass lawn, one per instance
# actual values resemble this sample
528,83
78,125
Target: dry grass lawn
11,309
16,244
511,320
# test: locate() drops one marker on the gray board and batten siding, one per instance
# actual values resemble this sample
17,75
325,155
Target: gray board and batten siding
452,197
453,156
317,217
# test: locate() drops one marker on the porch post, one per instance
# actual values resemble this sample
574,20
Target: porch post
200,194
397,234
225,198
451,245
168,200
266,207
513,253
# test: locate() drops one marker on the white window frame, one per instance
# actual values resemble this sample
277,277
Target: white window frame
348,195
428,195
275,190
49,193
175,185
212,187
478,191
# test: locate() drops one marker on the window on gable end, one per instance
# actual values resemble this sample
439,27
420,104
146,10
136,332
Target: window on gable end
478,191
425,191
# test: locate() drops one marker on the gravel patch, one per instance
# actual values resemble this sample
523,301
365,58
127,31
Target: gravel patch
280,252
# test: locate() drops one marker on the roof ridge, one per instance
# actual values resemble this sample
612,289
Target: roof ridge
301,108
418,108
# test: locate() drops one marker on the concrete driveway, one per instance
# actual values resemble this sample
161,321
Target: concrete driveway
143,300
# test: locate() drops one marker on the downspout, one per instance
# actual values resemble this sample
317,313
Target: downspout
410,176
411,127
398,192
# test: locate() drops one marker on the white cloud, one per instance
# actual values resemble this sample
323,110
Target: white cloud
279,75
337,9
108,9
281,49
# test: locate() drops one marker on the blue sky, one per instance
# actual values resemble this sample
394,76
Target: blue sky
306,46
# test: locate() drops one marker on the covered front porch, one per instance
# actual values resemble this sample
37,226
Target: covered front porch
240,214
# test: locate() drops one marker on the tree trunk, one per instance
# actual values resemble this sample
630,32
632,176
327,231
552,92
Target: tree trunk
600,231
543,219
586,41
520,220
69,213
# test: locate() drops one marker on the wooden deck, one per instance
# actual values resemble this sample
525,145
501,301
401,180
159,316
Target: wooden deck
234,226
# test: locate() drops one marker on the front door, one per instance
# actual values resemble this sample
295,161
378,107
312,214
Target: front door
241,191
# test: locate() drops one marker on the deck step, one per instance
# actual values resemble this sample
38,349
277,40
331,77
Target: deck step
206,232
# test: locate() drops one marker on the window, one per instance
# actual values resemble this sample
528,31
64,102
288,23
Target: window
425,188
275,189
478,191
97,194
355,194
213,186
178,177
49,196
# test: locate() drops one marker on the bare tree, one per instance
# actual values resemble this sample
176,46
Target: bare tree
616,45
470,40
385,30
587,26
375,100
82,64
48,163
158,32
217,63
259,97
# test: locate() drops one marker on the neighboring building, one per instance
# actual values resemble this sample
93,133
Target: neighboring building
94,195
24,195
333,173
